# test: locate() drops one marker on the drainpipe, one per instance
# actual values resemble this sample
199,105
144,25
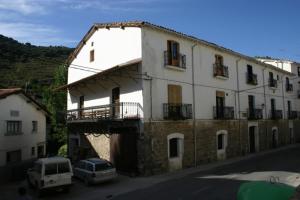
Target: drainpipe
238,98
194,108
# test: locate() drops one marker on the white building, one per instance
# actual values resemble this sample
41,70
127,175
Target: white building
151,99
22,127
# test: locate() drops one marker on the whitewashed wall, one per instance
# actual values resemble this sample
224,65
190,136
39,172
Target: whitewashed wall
112,47
27,113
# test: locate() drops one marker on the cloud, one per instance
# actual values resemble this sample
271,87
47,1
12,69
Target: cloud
22,6
34,33
29,7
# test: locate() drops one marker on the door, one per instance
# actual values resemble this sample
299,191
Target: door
273,108
252,139
291,135
174,101
123,151
220,101
115,100
251,102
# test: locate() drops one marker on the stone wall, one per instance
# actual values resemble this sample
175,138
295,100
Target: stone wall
154,146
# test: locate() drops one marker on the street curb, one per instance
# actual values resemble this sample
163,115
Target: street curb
213,165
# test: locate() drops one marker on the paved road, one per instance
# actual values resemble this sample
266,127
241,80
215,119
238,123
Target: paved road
223,182
218,183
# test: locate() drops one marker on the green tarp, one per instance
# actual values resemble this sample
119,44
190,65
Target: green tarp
259,190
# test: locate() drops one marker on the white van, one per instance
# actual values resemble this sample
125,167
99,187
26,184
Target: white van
51,173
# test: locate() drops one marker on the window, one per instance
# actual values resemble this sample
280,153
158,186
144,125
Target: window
34,126
50,169
92,55
298,71
219,60
89,167
63,167
14,127
221,141
32,151
13,156
249,69
173,145
173,53
14,113
103,166
287,80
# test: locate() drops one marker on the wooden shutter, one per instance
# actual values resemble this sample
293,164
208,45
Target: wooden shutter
174,94
92,55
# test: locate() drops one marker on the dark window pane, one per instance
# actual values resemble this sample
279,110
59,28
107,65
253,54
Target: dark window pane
89,167
50,169
103,166
173,145
63,167
220,141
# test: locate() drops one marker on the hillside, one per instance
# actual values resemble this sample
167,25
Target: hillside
21,63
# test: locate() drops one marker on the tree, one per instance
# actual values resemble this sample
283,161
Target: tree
56,104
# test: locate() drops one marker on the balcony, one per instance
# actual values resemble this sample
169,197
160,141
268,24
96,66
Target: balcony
251,79
123,110
174,111
223,112
273,83
221,71
276,114
289,87
255,114
178,64
292,114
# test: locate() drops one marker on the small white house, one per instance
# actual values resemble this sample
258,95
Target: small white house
22,127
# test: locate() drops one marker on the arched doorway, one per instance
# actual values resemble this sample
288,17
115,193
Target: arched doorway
222,139
175,151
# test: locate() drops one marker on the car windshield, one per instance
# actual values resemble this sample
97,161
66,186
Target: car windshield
50,169
103,166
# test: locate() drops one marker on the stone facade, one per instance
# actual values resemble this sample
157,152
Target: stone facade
154,158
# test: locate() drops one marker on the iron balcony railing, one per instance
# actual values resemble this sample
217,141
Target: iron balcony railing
220,70
175,111
289,87
255,113
223,112
251,78
122,110
292,114
273,83
181,60
276,114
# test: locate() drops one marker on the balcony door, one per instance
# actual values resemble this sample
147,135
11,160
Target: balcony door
115,100
289,109
251,102
173,53
220,104
273,108
174,101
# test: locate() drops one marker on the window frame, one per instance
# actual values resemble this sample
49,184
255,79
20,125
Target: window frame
34,126
13,127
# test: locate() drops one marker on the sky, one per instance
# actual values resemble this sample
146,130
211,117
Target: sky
251,27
